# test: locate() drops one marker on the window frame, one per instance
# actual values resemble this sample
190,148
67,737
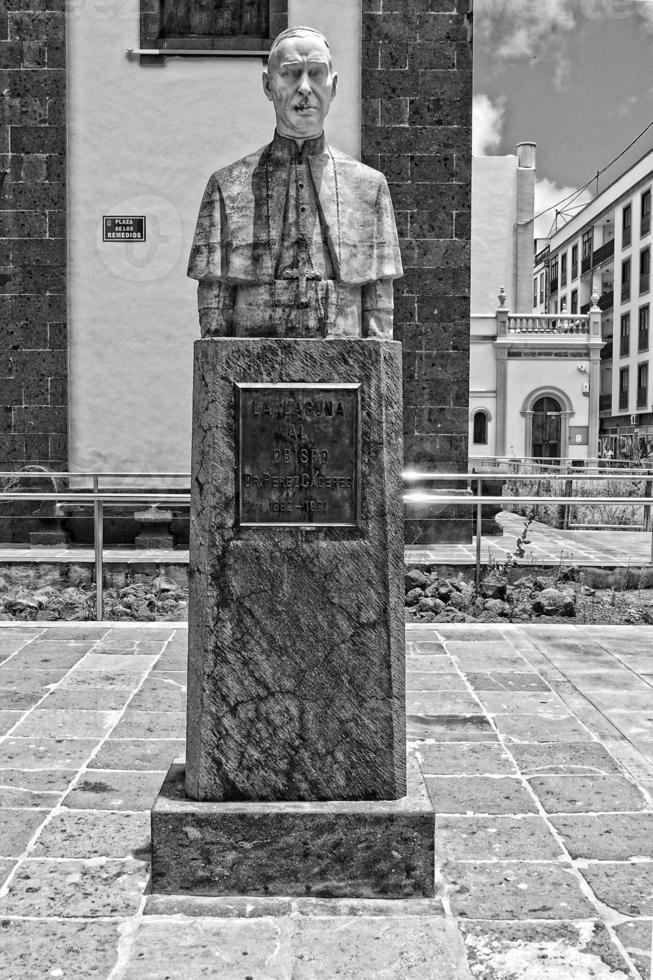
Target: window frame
626,278
643,329
645,269
624,376
626,225
642,385
624,335
645,213
153,37
483,413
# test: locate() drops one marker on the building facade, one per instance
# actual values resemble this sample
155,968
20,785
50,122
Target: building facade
534,377
606,250
96,337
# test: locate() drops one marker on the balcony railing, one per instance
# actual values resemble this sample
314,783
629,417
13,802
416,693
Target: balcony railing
626,237
646,225
603,252
586,264
553,288
644,282
606,302
548,324
542,254
605,403
641,396
623,400
625,291
606,352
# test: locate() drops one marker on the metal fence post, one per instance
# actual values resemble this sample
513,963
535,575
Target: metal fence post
479,532
647,510
98,537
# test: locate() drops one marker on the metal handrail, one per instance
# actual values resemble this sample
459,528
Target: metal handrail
44,474
412,476
462,497
90,496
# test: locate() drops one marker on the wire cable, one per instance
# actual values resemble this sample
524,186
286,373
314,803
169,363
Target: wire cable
574,194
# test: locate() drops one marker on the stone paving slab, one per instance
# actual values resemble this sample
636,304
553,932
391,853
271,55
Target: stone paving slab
543,836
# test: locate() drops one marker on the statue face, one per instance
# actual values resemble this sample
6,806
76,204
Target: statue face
300,81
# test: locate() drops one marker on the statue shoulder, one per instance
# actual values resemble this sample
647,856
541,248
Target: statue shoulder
238,171
367,175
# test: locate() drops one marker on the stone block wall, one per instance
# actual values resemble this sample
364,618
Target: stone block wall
417,105
33,322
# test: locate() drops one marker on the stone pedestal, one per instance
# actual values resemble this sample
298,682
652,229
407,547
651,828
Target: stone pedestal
155,529
296,738
296,621
331,850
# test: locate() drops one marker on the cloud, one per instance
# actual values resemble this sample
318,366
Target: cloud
487,124
644,10
549,195
524,29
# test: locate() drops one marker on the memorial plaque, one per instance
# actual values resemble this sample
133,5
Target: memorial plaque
298,455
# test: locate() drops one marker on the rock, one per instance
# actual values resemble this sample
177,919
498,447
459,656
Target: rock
413,597
568,573
552,602
647,615
493,587
132,590
497,606
431,605
458,601
632,615
163,584
453,616
415,579
144,613
585,590
78,575
46,595
22,604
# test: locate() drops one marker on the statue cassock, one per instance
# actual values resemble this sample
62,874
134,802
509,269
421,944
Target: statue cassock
296,239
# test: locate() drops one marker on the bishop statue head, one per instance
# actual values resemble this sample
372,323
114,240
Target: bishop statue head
301,82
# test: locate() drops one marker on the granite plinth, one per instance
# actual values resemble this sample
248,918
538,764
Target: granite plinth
296,678
381,849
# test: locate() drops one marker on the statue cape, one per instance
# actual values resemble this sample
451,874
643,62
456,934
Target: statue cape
240,219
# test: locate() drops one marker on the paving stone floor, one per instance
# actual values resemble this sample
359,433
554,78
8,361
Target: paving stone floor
537,746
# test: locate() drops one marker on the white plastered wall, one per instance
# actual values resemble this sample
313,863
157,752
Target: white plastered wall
494,200
524,376
143,141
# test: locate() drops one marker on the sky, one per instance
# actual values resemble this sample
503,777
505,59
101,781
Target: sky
573,76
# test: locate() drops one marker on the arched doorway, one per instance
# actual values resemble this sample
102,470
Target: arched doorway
547,413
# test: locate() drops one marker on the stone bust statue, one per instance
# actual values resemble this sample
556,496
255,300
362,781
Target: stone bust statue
296,239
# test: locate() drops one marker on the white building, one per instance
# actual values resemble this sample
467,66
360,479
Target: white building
606,249
534,379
